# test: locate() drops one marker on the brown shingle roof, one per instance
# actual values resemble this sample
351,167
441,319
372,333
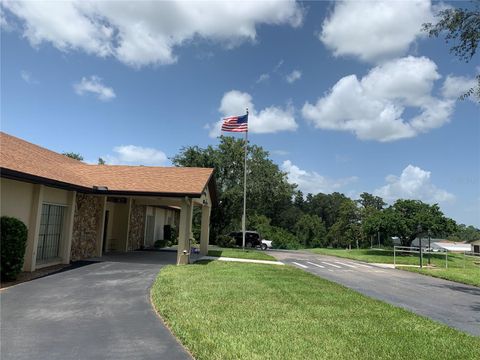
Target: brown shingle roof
22,157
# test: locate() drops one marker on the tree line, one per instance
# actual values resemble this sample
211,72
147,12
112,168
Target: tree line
282,213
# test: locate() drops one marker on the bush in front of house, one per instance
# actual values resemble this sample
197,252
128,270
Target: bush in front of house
12,243
170,233
225,241
161,244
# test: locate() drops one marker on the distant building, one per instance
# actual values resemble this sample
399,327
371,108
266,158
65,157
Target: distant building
475,246
442,244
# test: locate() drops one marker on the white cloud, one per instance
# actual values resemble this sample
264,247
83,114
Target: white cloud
413,183
278,66
146,32
27,77
262,78
94,85
280,152
311,181
374,30
293,76
373,107
4,24
271,119
455,86
131,154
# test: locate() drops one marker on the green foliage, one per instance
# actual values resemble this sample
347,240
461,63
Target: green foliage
284,215
408,219
168,232
13,242
281,238
268,191
73,155
325,206
462,28
225,241
161,243
371,202
101,161
347,230
465,233
310,231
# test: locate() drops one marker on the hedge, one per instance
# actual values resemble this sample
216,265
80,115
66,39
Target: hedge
13,242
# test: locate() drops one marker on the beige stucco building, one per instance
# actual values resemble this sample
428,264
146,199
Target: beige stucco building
76,211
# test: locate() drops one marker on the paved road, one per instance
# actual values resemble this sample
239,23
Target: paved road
452,303
99,311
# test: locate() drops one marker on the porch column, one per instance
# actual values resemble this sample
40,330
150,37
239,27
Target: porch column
30,259
205,234
185,228
72,201
101,227
129,212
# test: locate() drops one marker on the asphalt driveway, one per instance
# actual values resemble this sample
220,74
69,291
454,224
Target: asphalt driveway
454,304
98,311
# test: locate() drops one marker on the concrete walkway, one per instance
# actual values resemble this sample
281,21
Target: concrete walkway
454,304
98,311
229,259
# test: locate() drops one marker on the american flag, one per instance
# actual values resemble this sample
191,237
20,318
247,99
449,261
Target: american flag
235,123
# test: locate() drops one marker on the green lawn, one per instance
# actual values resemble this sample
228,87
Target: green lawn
470,276
455,272
251,311
241,254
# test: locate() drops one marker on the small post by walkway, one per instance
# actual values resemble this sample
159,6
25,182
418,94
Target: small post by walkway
205,232
185,228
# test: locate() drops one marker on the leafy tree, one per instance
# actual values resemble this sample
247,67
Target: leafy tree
371,215
310,231
289,217
409,219
465,233
298,201
325,206
73,155
268,191
281,239
101,161
371,201
461,26
347,230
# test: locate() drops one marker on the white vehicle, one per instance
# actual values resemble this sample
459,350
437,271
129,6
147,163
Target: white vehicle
266,244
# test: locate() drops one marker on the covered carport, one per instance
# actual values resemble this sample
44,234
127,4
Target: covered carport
173,188
186,205
76,211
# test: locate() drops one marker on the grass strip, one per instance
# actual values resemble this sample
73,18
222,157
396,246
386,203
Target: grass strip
241,254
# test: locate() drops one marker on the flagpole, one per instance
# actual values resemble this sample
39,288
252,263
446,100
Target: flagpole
244,217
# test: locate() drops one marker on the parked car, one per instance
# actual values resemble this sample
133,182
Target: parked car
266,244
252,238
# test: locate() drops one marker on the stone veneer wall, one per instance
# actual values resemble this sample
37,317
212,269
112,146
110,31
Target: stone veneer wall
137,226
86,224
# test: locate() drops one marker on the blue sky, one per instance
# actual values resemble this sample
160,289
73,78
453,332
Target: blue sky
347,97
